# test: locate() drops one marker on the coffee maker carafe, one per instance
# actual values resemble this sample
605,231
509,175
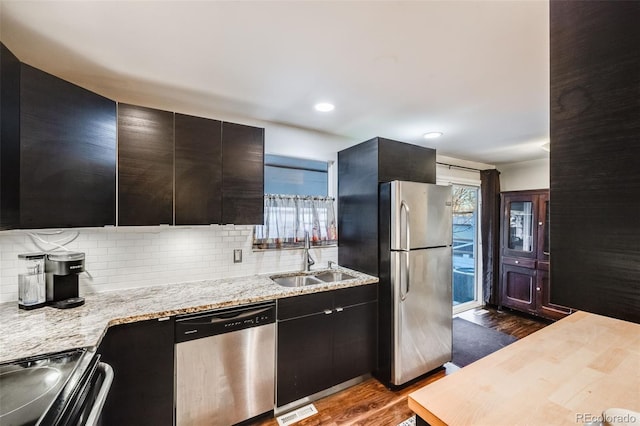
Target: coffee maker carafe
62,271
31,284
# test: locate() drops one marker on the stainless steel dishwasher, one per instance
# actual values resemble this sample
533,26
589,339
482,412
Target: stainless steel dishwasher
225,365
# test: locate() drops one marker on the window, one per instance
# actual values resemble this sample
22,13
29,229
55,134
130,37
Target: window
294,176
296,202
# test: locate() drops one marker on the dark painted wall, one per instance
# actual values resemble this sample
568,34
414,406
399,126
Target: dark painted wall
595,157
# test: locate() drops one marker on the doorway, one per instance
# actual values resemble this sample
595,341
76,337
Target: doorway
467,288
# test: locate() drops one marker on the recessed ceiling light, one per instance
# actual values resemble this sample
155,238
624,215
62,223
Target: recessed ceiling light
546,147
324,107
432,135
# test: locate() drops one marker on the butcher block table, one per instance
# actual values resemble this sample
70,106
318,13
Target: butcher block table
568,373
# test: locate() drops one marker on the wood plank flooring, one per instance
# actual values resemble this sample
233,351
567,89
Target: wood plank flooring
370,403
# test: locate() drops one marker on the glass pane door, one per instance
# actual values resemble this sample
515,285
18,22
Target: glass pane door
521,226
465,244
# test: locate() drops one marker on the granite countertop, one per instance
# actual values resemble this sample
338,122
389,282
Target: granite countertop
39,331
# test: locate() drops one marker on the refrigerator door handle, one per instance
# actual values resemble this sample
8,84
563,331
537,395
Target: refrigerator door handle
407,278
407,228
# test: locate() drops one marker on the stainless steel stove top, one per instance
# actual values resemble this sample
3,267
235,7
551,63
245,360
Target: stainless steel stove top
31,388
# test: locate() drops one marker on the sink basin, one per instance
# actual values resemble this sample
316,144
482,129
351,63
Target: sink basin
332,276
296,280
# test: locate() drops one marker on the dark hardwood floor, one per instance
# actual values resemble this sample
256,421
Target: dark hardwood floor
370,403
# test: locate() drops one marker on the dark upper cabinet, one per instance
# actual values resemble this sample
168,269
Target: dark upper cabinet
198,170
242,174
9,139
360,170
67,154
145,166
595,156
142,356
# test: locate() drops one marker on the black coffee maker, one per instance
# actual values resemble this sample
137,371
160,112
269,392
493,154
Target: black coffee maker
62,271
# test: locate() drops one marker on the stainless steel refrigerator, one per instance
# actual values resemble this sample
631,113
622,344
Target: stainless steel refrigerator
415,314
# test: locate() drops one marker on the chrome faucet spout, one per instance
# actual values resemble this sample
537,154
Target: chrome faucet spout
308,260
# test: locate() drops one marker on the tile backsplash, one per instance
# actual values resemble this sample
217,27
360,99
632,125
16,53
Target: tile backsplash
129,257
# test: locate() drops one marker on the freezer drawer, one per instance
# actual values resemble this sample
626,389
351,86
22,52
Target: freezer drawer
421,311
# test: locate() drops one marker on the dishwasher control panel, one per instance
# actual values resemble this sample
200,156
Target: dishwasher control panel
211,323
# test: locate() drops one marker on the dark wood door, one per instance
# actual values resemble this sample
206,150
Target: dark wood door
67,154
518,288
543,287
242,174
355,341
142,357
305,356
543,227
145,166
198,170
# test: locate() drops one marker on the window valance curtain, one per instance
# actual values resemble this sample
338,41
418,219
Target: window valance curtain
287,217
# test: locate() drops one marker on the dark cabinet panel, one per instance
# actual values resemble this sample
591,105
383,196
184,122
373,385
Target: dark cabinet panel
145,166
595,160
142,357
518,288
242,174
361,169
543,302
326,339
305,353
9,139
354,342
198,170
68,154
403,161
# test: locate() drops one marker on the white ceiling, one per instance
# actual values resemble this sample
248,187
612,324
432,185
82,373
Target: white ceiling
476,70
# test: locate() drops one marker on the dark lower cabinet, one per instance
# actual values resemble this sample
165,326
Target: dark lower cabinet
142,357
67,154
518,288
145,166
325,339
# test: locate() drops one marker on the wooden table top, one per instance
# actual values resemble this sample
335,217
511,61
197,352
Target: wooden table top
562,374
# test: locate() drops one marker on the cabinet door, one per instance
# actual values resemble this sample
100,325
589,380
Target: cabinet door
145,166
141,355
519,226
543,227
518,288
67,154
354,343
544,305
305,357
242,174
198,170
10,139
403,161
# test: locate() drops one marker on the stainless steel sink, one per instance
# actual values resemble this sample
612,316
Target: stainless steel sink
297,280
332,276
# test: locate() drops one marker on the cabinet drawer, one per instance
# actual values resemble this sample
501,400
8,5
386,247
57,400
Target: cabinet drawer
297,306
355,295
524,263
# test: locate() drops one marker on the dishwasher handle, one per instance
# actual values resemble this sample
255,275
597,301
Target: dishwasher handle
217,319
223,321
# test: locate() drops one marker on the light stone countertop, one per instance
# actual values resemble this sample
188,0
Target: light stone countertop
39,331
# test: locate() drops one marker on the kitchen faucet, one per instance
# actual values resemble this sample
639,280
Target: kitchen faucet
307,259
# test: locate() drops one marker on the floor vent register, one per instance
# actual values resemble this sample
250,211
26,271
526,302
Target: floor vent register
296,415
